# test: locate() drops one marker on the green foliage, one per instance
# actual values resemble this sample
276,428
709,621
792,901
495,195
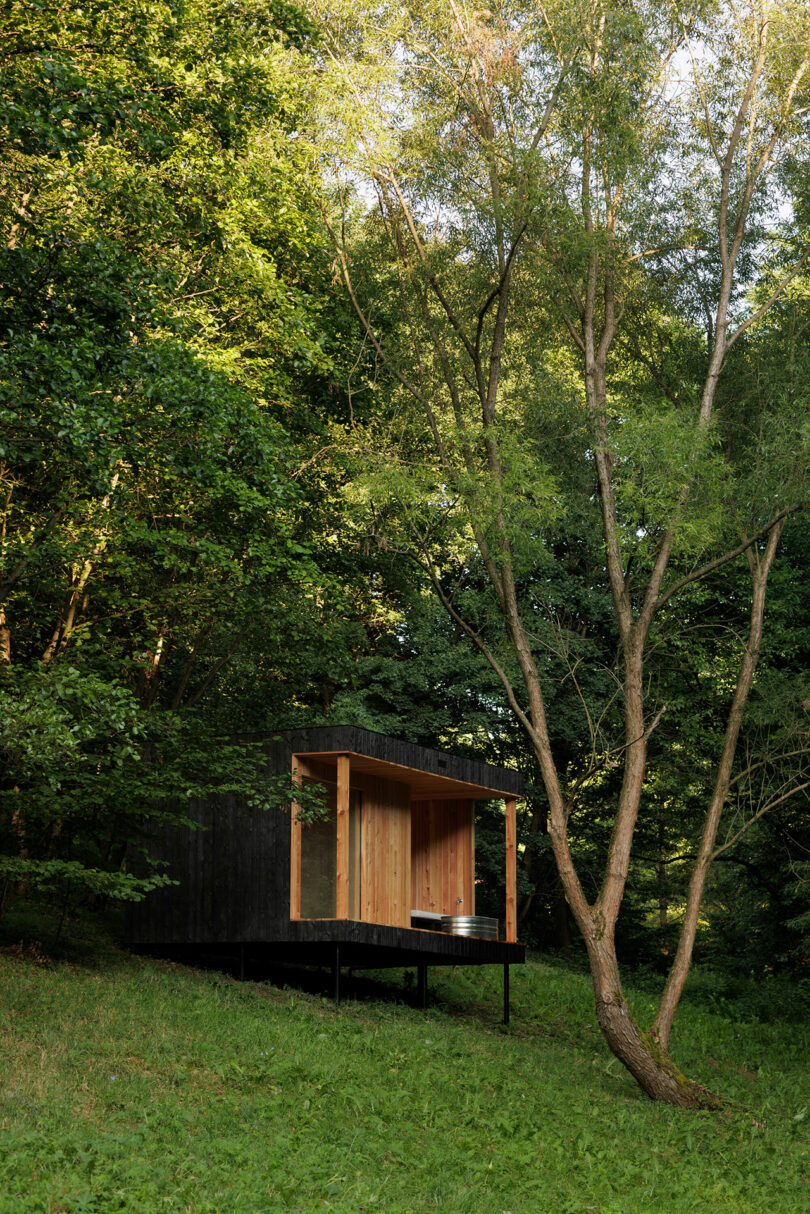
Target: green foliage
655,443
70,878
87,774
134,418
160,281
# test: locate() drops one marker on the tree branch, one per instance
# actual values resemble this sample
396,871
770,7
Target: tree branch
769,302
708,568
718,851
475,637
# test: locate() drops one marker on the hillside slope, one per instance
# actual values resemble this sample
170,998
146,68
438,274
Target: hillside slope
136,1085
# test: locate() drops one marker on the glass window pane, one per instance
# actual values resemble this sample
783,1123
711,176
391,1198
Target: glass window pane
319,857
319,861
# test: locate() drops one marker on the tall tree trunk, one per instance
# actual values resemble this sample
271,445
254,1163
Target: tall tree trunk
5,638
760,568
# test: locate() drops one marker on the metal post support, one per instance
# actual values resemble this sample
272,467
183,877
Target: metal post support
241,963
337,975
421,985
506,992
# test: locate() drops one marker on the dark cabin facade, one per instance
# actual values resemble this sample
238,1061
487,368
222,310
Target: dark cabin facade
364,887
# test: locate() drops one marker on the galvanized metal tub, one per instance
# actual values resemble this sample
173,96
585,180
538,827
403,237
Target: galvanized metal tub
480,926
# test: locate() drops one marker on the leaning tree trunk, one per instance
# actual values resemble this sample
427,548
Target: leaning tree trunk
649,1064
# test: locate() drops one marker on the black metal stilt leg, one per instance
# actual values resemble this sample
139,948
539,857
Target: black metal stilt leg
421,985
337,975
506,993
241,963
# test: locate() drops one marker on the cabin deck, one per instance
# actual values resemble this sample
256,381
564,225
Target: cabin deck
378,946
364,946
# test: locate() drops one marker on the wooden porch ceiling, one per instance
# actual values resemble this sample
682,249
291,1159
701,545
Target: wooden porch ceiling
424,785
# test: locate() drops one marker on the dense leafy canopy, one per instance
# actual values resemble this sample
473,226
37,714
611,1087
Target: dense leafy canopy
154,309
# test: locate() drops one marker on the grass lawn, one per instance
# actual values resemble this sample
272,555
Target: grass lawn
127,1084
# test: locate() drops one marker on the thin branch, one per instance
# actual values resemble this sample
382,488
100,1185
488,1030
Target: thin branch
632,347
771,761
769,302
708,568
431,277
215,669
498,288
372,336
474,636
22,564
190,664
718,851
570,326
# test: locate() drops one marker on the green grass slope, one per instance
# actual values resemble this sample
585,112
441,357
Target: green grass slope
129,1085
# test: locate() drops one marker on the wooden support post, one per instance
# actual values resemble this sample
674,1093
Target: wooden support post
342,878
295,848
511,871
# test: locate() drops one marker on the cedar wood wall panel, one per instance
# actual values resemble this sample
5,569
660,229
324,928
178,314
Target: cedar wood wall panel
386,852
443,856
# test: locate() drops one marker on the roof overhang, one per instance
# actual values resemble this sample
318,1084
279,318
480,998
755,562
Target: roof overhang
424,785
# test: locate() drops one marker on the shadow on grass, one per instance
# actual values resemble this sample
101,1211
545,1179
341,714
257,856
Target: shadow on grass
39,932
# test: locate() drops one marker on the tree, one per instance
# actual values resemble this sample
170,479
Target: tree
154,309
570,204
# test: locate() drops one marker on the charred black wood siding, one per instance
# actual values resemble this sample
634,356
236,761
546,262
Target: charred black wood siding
233,873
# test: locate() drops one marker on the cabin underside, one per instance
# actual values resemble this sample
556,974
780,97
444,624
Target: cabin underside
339,944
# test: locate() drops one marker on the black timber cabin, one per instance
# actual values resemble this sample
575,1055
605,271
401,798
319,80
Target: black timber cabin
364,888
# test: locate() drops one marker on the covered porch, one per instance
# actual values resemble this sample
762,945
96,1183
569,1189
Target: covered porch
394,848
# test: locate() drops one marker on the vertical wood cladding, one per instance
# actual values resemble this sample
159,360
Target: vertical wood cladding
443,857
232,873
386,855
